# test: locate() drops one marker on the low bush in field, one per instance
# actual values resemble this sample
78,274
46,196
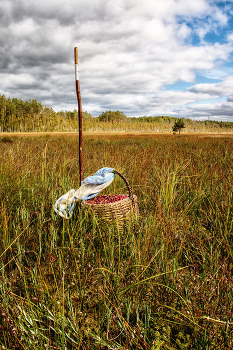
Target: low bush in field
165,282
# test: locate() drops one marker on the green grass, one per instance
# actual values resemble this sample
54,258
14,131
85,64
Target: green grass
163,283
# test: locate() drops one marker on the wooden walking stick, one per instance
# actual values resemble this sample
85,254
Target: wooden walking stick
79,113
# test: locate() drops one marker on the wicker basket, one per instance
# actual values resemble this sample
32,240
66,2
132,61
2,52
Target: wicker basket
119,212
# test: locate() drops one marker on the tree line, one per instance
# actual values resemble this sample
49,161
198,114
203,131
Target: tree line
17,115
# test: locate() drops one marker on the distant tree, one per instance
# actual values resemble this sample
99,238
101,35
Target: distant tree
110,116
61,114
86,115
74,115
70,115
158,119
179,124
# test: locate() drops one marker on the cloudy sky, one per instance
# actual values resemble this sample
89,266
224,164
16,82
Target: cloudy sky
142,57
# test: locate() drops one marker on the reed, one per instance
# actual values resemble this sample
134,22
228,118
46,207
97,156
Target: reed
163,283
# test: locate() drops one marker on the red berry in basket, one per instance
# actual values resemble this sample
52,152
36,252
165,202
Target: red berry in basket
106,199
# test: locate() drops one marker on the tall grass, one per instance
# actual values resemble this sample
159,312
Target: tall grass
163,283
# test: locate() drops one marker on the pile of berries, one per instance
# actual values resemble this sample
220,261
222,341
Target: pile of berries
111,198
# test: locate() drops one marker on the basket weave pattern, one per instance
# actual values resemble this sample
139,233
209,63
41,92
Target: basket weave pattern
120,212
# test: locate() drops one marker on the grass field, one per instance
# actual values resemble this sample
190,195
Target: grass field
165,282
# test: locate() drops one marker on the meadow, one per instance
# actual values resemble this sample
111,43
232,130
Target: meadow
164,282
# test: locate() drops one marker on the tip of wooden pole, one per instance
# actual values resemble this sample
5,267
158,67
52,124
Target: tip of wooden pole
76,55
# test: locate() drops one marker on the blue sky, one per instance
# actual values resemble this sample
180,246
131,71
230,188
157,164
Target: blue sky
158,57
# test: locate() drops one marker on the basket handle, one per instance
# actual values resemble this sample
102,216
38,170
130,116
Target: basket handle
128,186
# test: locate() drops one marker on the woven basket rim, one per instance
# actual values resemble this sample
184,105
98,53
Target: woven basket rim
121,201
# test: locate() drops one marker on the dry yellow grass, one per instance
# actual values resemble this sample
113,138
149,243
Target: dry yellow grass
80,285
120,133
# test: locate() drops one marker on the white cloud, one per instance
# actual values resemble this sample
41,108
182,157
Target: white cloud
128,51
230,37
215,111
217,89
